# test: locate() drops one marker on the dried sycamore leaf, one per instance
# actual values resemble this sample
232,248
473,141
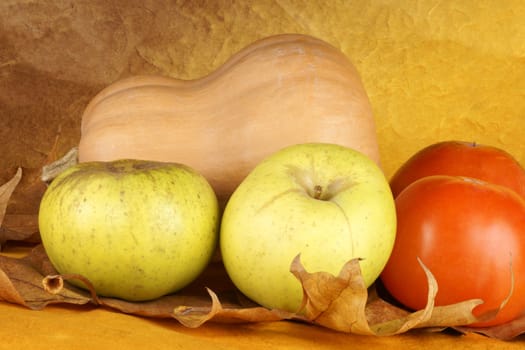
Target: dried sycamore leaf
334,302
412,320
342,303
191,308
193,317
21,227
8,291
6,190
20,215
507,331
21,283
158,308
21,204
33,282
378,309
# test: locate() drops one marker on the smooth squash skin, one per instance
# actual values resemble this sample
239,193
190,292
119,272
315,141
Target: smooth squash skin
282,90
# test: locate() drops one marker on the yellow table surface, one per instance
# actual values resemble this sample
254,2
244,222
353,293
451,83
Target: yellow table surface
68,327
91,327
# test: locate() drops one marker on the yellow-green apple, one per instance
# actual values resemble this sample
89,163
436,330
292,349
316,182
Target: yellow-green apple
137,230
326,202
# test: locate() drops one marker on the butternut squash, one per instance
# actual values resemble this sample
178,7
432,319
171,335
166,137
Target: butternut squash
282,90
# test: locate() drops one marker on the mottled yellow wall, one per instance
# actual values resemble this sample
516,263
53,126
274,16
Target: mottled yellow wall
434,70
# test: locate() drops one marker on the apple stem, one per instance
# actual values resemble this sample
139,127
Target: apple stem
50,171
318,191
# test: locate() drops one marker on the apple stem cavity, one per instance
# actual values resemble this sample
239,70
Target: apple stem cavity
318,192
306,180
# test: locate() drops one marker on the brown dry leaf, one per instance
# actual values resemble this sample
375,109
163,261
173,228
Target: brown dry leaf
21,227
378,309
342,303
507,331
21,203
191,307
21,283
6,190
33,282
431,316
157,308
334,302
193,317
20,220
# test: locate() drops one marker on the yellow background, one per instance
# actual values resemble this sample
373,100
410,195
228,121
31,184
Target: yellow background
434,70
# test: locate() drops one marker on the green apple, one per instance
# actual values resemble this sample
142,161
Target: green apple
137,230
326,202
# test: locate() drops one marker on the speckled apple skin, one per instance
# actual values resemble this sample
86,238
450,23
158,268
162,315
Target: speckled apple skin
137,230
